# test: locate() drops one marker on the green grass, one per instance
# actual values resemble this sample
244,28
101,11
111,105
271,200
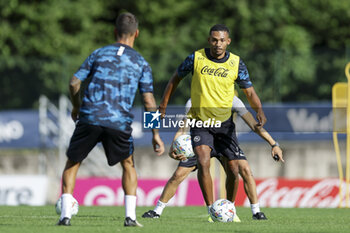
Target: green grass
24,219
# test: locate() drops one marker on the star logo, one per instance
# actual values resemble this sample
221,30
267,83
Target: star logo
155,115
151,120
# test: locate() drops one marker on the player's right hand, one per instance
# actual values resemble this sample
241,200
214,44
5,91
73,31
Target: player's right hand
173,155
158,145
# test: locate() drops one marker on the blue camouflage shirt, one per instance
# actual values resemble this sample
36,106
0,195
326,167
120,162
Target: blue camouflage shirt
114,73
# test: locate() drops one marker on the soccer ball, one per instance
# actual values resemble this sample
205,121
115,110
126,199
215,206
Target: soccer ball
182,145
75,206
222,210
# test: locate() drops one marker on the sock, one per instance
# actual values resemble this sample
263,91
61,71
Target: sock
255,208
66,206
208,208
160,207
130,206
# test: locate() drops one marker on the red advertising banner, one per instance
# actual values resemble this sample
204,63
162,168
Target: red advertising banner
271,192
105,191
294,193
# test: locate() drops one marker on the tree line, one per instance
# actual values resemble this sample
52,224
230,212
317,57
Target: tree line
295,50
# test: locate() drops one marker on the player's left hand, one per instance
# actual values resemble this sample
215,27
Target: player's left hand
75,114
260,116
277,151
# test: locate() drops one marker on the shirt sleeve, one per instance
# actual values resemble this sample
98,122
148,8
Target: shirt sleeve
238,106
146,80
87,66
186,66
243,79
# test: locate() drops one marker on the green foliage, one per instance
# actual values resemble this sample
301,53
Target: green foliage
294,50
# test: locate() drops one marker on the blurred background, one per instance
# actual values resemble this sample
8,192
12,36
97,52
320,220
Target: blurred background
295,52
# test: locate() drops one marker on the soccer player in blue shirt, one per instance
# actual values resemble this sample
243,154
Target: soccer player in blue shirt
115,72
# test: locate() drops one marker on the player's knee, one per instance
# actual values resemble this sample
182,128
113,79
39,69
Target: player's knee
128,162
71,163
233,169
246,172
203,162
203,155
176,179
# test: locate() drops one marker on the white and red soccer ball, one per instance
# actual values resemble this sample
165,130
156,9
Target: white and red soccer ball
183,145
222,210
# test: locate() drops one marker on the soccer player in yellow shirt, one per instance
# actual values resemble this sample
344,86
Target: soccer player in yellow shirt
214,73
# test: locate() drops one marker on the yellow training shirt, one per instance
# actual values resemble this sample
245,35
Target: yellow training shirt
212,87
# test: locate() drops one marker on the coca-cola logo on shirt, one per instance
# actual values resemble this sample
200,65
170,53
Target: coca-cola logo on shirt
219,72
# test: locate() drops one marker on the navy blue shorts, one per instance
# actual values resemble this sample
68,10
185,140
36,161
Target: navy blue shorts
192,162
222,140
118,145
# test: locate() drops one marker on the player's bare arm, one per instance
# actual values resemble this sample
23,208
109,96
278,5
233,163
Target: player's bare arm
169,90
150,105
275,148
255,103
74,90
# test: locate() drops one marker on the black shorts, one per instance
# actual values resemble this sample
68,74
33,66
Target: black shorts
192,161
222,140
118,145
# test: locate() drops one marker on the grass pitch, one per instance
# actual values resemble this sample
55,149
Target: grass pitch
24,219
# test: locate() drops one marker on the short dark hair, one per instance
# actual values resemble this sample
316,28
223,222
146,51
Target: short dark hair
126,24
219,27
